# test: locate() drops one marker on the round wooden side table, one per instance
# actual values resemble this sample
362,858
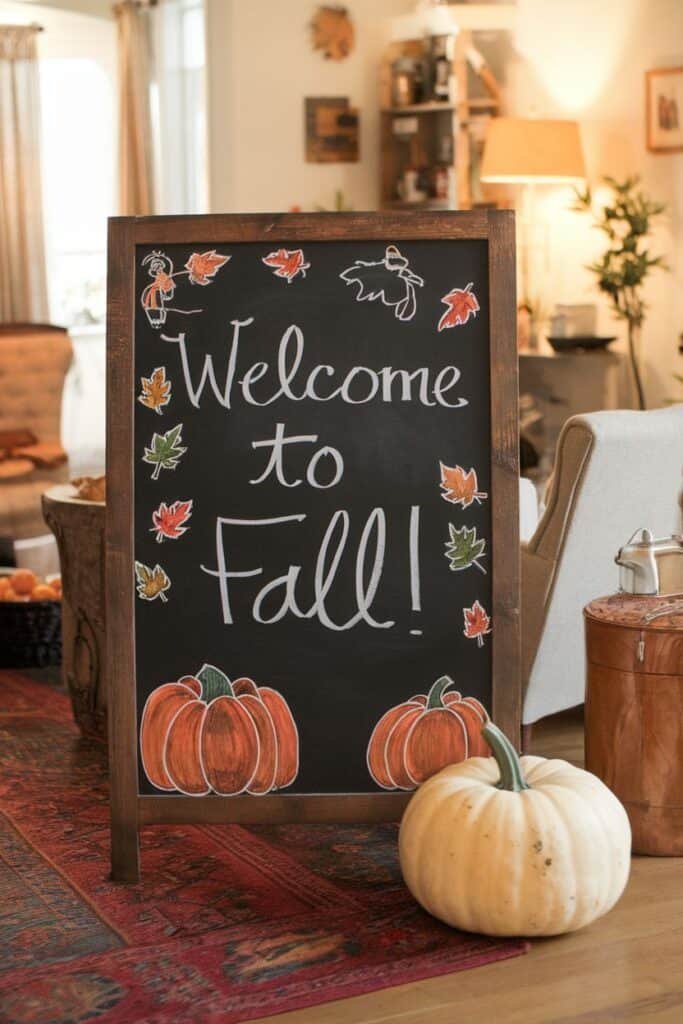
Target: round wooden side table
78,526
634,712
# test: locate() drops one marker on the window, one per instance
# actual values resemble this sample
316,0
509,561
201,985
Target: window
78,158
78,154
179,107
79,142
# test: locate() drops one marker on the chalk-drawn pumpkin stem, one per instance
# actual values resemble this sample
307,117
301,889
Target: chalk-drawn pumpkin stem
214,683
435,695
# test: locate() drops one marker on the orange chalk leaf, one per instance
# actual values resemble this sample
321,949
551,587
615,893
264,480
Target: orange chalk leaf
151,582
460,487
202,266
156,390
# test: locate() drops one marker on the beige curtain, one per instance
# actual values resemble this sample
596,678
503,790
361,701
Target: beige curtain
23,279
136,189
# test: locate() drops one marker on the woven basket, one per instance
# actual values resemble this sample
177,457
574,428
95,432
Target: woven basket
30,633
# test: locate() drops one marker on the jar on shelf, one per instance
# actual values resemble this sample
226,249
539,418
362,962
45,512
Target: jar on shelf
405,81
441,182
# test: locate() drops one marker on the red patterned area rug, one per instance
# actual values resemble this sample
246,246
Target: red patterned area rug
228,924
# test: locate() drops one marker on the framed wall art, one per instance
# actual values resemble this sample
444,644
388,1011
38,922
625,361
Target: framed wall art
664,110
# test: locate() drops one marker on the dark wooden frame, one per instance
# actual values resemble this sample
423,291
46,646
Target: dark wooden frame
129,810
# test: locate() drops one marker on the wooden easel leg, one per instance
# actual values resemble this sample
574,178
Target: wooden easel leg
125,852
526,738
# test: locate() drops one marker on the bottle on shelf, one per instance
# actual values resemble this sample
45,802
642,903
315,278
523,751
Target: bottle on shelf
442,68
419,82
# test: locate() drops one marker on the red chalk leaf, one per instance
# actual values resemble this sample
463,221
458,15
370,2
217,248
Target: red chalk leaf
169,520
477,623
462,304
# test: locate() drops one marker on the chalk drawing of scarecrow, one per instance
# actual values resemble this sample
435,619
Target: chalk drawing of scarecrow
201,268
389,279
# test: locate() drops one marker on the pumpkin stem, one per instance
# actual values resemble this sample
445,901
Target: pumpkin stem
511,775
214,683
437,691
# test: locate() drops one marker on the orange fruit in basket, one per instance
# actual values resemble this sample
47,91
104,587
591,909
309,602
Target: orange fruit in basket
43,592
11,595
4,585
56,583
23,581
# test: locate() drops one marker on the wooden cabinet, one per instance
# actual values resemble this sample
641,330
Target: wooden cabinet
568,384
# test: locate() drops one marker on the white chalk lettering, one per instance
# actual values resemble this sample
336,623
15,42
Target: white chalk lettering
288,380
195,394
371,549
276,461
328,452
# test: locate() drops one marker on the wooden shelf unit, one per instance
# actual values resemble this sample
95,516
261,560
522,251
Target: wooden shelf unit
443,127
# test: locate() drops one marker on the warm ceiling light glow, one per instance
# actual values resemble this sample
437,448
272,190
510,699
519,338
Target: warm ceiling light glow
519,150
576,48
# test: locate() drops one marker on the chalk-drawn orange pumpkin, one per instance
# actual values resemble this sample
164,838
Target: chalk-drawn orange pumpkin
419,737
204,733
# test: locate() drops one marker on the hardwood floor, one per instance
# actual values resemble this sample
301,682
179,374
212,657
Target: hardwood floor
628,966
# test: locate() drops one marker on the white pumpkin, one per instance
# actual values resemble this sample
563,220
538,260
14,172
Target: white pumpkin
510,846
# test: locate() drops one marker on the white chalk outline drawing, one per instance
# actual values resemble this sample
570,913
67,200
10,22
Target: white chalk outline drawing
148,382
159,512
172,437
200,269
397,264
279,257
444,325
140,567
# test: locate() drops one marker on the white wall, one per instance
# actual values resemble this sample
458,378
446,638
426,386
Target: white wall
577,59
586,60
261,66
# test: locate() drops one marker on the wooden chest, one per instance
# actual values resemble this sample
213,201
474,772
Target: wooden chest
634,712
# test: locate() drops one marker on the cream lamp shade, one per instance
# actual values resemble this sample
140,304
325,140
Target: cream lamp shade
521,150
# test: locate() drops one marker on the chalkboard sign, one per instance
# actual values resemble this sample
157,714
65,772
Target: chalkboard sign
312,497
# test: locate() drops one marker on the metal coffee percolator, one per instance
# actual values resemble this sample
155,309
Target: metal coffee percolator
649,566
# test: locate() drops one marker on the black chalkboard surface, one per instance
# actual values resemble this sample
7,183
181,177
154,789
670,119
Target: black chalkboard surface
318,509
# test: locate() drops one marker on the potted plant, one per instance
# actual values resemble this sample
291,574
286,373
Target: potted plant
627,262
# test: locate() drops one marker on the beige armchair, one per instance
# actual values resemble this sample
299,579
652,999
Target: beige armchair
34,360
614,472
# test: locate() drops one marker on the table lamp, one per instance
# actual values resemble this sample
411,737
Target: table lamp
529,152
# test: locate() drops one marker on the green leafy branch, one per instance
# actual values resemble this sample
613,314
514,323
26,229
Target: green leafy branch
626,263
